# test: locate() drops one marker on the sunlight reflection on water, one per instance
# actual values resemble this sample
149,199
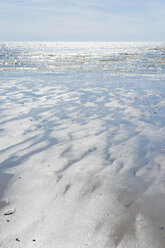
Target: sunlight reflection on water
114,58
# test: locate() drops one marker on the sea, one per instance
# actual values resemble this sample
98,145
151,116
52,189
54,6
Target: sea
109,58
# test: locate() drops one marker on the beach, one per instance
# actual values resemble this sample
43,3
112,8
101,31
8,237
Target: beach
82,154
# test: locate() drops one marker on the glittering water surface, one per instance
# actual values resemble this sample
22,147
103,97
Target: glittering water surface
113,58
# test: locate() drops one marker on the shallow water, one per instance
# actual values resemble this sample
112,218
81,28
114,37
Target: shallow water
113,58
82,134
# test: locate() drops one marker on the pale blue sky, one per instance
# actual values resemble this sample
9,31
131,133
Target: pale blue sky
78,20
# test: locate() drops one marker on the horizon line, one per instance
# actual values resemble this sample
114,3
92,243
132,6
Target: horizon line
82,41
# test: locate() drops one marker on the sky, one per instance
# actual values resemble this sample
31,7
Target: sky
82,20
